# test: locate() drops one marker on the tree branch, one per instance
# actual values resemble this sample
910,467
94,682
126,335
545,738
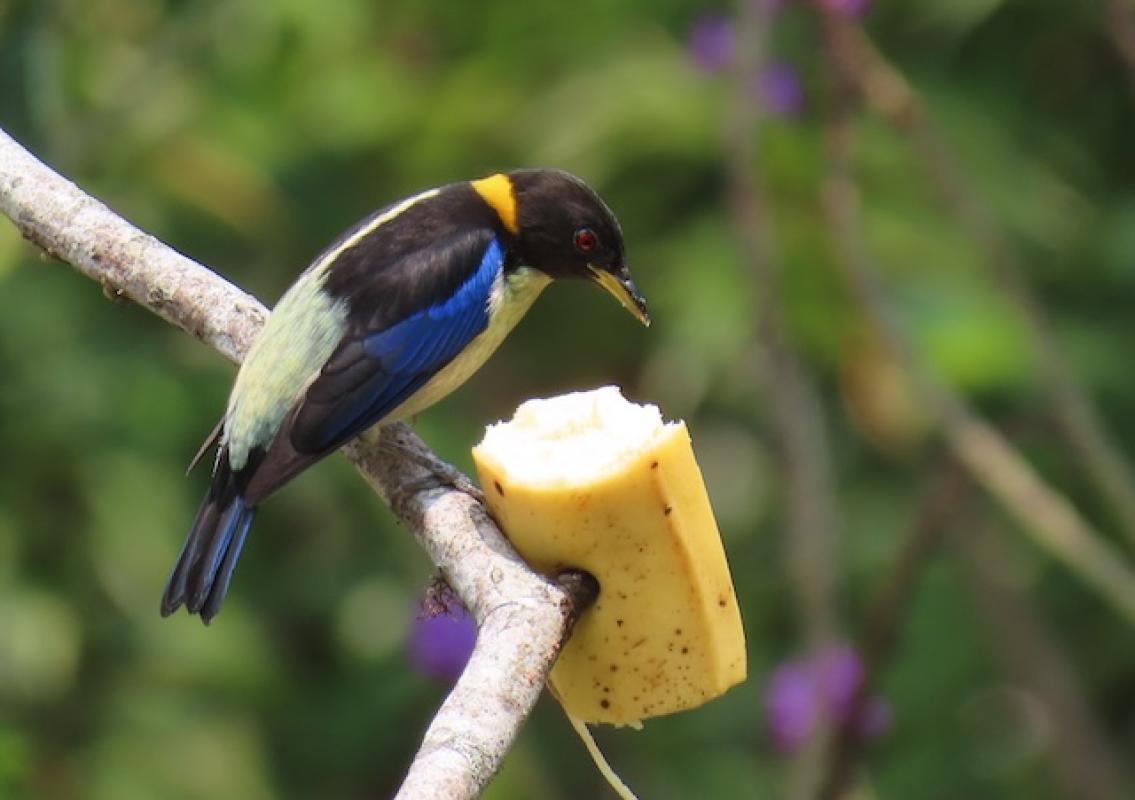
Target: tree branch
523,619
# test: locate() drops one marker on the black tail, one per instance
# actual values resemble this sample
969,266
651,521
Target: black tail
201,576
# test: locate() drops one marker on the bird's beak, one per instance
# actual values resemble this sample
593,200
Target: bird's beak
619,284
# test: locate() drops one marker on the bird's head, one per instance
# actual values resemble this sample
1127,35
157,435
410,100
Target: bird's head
566,231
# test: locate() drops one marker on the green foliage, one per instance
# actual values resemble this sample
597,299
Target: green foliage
248,134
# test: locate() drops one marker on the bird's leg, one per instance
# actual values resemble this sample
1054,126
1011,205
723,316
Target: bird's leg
441,475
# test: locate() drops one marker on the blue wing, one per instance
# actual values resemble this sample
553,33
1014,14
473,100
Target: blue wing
373,373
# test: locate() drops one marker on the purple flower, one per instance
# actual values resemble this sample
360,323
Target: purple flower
779,88
848,8
713,43
800,692
441,641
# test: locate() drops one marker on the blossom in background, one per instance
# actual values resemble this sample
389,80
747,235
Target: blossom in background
441,641
713,43
780,89
801,691
713,49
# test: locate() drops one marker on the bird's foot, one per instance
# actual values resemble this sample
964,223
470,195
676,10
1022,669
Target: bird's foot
448,478
441,475
582,590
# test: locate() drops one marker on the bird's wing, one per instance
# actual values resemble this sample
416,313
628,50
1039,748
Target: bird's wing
372,372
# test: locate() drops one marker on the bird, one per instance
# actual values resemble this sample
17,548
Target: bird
394,315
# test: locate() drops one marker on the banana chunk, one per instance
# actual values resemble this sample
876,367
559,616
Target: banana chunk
591,481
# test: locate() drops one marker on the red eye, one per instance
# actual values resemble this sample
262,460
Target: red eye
585,240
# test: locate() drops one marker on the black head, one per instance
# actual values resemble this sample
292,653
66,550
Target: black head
567,231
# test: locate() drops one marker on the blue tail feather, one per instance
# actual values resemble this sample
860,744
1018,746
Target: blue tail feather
200,578
228,564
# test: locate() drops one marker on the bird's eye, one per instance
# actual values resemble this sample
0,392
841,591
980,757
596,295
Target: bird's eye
585,240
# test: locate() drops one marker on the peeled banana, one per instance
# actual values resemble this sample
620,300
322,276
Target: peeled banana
593,482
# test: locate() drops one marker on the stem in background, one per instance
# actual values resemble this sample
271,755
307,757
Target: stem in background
810,531
944,502
799,423
1043,512
889,94
1121,28
1085,766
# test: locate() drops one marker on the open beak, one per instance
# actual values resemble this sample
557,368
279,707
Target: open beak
622,288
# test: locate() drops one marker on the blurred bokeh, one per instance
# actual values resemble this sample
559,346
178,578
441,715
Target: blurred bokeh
889,249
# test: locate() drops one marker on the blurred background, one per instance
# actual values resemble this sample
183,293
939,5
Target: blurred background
889,250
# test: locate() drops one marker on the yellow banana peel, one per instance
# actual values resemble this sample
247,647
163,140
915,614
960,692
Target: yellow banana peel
590,481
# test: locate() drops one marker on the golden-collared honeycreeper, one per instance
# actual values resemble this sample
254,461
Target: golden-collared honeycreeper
392,317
